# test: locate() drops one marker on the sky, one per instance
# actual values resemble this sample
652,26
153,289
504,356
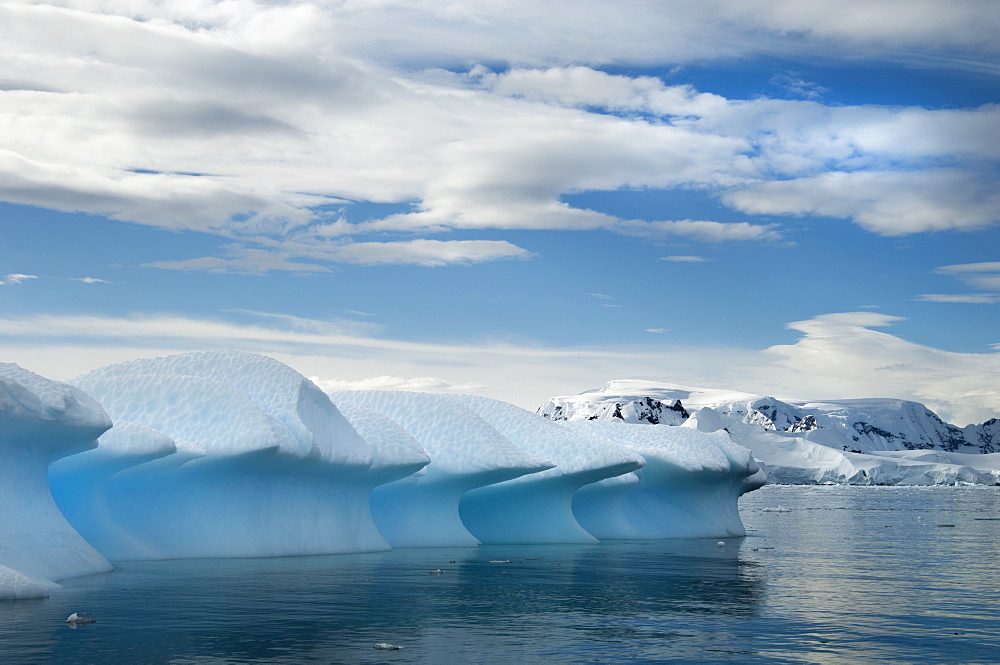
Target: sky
517,199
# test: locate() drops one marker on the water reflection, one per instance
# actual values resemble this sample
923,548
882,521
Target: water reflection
846,575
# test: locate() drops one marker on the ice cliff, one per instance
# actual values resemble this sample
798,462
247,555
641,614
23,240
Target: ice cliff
883,441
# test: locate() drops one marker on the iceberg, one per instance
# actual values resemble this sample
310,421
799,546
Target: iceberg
465,453
234,454
41,421
689,487
222,454
538,507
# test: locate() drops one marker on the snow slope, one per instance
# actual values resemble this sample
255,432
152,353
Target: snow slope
830,441
40,421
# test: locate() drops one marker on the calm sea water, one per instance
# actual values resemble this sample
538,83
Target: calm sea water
826,575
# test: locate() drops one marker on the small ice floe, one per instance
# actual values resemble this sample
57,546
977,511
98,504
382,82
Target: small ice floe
500,561
77,619
385,646
720,544
776,509
437,572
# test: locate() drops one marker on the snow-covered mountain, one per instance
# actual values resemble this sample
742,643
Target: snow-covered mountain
862,424
863,441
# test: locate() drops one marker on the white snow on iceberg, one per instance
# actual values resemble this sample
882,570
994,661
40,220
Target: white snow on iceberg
40,421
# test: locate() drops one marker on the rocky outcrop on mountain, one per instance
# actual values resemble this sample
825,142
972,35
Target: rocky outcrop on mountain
629,409
862,425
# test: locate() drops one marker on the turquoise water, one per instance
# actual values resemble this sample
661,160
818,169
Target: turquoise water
826,575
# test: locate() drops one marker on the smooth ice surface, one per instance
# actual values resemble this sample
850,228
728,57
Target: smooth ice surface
537,508
223,454
40,421
689,486
465,452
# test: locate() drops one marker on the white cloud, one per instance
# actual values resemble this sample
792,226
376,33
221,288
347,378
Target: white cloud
838,356
16,278
90,280
124,108
983,276
429,252
419,383
798,86
657,331
683,259
887,203
971,298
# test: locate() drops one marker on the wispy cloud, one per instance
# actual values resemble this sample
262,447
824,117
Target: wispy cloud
984,277
419,383
798,86
837,355
970,298
657,331
684,259
16,278
90,280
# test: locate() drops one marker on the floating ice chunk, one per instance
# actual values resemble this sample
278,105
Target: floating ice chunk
76,619
689,487
41,421
465,453
15,586
537,508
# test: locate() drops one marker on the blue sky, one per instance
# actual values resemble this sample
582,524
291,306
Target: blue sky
513,199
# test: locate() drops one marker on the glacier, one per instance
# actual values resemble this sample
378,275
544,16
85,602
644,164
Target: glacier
857,441
235,454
